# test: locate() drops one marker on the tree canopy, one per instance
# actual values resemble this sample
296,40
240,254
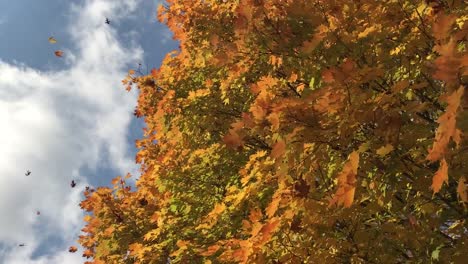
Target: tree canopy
297,131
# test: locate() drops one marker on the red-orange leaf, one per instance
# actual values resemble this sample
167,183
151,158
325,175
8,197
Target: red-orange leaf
58,53
278,149
72,249
210,251
440,177
447,127
87,253
347,182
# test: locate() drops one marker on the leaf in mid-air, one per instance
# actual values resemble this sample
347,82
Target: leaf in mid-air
72,249
58,53
52,40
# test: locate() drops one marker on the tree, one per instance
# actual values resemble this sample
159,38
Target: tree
297,131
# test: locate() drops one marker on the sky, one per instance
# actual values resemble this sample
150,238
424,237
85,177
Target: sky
66,118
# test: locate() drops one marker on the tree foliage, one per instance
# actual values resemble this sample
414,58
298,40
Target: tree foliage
297,131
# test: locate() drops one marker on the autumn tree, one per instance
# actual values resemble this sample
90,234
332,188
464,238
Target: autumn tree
297,131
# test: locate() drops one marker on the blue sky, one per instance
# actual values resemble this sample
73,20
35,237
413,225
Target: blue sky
66,118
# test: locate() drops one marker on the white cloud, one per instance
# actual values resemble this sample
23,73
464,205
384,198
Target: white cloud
55,123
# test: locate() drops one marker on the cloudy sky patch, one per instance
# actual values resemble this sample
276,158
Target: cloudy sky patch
67,119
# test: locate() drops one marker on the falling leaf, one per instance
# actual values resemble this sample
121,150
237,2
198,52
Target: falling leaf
38,213
58,53
72,249
131,72
440,177
73,184
52,40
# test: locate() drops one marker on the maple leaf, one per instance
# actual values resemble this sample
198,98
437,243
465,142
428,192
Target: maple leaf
52,40
72,249
347,182
440,177
210,251
58,53
88,254
233,140
447,127
442,25
278,149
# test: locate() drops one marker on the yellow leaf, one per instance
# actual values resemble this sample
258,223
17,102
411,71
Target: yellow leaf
440,177
364,147
384,150
368,30
52,40
131,72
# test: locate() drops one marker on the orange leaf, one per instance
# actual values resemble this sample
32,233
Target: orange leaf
293,77
278,149
347,182
274,120
58,53
268,229
154,73
442,25
462,191
255,215
88,253
440,177
273,206
327,76
233,140
210,251
447,127
72,249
